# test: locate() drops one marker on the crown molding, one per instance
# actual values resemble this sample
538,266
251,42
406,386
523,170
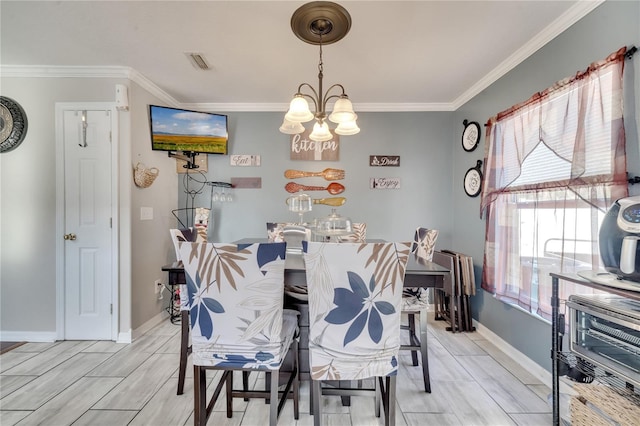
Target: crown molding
570,17
281,107
54,71
557,27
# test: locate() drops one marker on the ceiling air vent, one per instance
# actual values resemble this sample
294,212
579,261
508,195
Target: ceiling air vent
198,61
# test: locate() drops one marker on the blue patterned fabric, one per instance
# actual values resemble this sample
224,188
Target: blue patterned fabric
424,245
355,292
179,236
235,297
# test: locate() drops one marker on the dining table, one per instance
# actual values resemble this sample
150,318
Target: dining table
419,272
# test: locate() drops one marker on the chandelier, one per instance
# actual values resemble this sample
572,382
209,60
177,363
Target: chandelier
320,22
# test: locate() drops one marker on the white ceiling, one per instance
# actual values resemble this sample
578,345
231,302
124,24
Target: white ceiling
399,55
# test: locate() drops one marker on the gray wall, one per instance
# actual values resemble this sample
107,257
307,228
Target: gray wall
28,204
422,140
610,26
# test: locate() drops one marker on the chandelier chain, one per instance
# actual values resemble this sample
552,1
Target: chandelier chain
320,64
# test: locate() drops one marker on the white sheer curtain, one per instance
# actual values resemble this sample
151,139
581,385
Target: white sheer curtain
553,165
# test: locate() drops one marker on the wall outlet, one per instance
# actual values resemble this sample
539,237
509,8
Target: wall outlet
157,285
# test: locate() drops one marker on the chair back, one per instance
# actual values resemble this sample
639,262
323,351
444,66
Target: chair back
424,243
355,292
235,298
179,236
294,235
358,234
184,235
275,231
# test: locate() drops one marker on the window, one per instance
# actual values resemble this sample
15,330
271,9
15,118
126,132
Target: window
554,164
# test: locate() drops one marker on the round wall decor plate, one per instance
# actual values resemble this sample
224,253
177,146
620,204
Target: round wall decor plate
470,135
473,180
13,124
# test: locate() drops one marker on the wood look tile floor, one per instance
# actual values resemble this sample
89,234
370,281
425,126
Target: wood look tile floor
105,383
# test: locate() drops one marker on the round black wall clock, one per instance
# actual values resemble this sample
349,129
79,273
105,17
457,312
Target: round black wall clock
13,124
470,135
473,180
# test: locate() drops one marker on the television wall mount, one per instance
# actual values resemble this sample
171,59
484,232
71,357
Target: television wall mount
188,157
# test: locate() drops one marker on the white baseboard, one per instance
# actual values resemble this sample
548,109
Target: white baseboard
162,316
48,337
28,336
124,337
525,362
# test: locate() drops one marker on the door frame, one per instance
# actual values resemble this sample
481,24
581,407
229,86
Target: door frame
60,107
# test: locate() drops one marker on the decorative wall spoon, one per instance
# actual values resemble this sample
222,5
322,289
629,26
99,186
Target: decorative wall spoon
334,188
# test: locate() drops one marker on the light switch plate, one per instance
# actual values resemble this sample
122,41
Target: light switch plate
146,213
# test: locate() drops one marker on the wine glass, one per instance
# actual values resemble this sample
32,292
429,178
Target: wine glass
300,204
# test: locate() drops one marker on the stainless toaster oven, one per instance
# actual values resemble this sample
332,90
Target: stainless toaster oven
605,331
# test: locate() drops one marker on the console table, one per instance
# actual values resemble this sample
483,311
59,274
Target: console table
557,331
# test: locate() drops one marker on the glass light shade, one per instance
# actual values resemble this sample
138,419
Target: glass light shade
348,128
299,110
320,132
342,111
291,127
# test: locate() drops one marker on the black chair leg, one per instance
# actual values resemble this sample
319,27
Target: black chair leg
184,349
412,337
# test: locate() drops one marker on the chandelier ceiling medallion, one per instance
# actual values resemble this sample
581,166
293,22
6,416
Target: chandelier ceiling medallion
320,23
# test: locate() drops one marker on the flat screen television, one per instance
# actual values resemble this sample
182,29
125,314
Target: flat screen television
188,131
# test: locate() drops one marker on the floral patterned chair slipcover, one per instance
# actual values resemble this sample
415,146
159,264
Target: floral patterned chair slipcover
237,318
179,236
415,302
355,294
358,234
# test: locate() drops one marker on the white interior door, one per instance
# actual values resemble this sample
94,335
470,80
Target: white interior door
88,201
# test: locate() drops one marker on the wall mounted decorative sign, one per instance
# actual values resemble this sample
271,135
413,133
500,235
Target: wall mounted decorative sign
246,182
470,135
473,180
244,160
384,183
384,160
13,124
303,148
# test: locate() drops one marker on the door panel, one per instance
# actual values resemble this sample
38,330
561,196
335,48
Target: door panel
88,200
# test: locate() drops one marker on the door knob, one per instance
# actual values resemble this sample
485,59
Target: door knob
71,237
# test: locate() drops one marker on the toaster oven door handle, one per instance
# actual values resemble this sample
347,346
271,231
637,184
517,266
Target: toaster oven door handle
605,314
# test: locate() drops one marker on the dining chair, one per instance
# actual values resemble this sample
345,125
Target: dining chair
358,234
179,236
355,295
235,298
415,302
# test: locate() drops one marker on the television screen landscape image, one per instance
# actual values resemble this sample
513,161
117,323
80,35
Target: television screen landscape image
175,129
